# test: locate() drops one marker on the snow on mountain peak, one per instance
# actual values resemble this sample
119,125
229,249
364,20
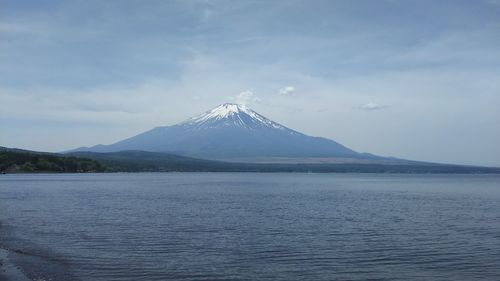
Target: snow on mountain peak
220,112
236,114
227,109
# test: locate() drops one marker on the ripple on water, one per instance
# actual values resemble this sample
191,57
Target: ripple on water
253,226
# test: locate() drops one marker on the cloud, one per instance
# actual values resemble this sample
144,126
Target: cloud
245,98
287,91
372,106
184,57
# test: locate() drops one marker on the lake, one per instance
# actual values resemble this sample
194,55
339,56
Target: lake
250,226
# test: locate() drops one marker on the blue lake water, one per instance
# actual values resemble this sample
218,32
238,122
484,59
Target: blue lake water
246,226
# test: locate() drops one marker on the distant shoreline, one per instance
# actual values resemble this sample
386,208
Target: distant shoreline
255,172
22,161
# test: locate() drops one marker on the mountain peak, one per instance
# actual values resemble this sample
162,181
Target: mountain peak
227,109
231,114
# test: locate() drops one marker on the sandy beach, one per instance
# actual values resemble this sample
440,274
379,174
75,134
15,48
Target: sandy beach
8,271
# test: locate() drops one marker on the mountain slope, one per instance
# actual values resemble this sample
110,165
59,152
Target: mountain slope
231,131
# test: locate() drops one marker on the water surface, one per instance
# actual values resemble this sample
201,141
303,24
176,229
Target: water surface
244,226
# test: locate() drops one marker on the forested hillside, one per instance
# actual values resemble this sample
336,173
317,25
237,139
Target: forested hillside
16,161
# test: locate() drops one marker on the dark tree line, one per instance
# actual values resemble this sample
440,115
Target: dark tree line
11,162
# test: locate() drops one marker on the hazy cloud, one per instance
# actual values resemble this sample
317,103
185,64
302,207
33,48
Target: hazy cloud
287,91
245,98
372,106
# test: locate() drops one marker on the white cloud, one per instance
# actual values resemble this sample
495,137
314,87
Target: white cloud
372,106
287,91
245,98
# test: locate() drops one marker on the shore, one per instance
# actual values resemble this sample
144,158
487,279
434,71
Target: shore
8,271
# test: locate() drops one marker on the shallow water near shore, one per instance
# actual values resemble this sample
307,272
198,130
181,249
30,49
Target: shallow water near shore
246,226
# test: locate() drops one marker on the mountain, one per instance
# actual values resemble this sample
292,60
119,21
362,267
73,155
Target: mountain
234,132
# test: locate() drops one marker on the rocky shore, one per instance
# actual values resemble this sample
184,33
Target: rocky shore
8,271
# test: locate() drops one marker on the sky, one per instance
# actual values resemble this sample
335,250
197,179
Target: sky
414,79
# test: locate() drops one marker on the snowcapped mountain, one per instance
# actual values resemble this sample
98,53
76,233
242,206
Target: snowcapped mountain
231,131
229,114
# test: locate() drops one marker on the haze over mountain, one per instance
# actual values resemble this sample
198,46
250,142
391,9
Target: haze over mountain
232,131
